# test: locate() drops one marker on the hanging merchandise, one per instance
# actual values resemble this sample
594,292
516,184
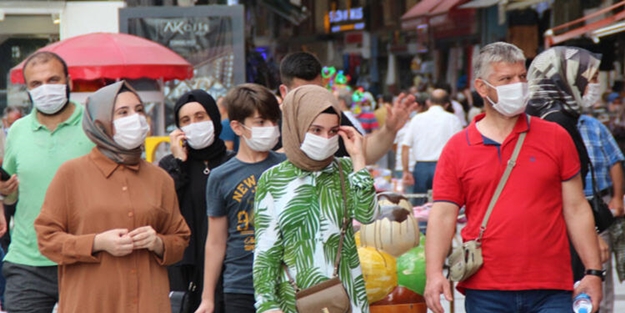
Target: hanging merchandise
391,72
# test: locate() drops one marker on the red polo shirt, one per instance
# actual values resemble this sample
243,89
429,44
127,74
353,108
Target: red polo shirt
525,245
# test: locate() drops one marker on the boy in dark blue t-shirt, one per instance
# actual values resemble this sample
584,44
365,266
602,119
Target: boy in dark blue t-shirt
254,113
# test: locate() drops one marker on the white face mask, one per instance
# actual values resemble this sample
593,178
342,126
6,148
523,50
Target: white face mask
319,148
49,98
263,138
130,131
592,95
199,135
512,98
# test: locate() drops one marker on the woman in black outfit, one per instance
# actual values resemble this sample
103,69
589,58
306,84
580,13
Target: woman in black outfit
196,150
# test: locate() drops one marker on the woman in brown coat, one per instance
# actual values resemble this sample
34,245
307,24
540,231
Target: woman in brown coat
110,219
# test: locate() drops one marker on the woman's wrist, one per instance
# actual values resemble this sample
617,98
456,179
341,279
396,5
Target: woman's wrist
179,156
96,244
358,162
158,246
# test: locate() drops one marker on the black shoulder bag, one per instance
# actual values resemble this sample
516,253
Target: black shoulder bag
600,210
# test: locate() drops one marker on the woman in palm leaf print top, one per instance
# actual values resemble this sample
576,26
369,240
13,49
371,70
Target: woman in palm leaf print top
299,205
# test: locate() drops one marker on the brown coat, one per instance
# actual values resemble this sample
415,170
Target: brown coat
90,195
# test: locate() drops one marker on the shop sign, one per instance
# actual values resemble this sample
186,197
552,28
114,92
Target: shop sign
345,20
183,26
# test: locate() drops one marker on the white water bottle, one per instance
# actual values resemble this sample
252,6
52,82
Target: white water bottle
582,303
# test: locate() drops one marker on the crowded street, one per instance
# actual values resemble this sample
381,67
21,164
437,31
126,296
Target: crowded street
306,156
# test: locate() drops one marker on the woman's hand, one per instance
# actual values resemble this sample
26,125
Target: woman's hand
354,145
176,144
145,238
115,241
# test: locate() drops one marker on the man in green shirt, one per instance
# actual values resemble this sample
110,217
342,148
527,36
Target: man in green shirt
36,146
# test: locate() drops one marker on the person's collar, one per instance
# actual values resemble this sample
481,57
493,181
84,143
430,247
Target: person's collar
73,119
106,165
583,119
474,137
436,107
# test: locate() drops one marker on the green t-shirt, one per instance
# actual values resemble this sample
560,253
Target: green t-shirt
34,154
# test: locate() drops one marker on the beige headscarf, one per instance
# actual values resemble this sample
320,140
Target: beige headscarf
97,123
299,109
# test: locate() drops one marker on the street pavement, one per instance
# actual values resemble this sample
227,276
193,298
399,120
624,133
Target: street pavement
619,299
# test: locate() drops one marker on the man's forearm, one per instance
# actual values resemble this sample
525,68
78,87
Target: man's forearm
441,229
405,157
378,144
616,174
213,264
581,231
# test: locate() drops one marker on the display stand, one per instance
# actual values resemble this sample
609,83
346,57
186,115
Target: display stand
428,198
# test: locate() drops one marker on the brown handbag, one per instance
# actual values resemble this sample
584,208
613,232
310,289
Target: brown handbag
329,296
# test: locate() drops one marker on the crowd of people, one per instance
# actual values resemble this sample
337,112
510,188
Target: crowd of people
253,200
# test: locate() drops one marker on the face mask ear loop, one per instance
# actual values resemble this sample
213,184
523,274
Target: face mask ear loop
491,86
248,128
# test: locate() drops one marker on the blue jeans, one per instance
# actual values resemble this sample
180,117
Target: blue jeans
423,174
523,301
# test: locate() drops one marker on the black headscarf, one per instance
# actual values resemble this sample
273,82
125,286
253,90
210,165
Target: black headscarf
218,147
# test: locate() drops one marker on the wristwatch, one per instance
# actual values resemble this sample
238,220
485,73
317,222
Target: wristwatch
600,273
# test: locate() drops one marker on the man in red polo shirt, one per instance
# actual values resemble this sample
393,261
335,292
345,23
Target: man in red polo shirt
525,246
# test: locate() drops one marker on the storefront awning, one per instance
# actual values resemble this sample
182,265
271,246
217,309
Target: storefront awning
608,30
478,4
510,5
417,16
420,9
603,27
445,6
441,15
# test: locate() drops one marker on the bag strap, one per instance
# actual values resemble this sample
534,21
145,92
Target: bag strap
502,183
337,261
596,195
343,230
595,188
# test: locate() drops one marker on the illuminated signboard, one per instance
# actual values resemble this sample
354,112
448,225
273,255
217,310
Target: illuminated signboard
345,20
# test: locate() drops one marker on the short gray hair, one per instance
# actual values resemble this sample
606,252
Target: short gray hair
345,95
494,53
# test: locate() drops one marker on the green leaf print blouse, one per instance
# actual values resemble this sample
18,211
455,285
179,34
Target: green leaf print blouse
298,217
